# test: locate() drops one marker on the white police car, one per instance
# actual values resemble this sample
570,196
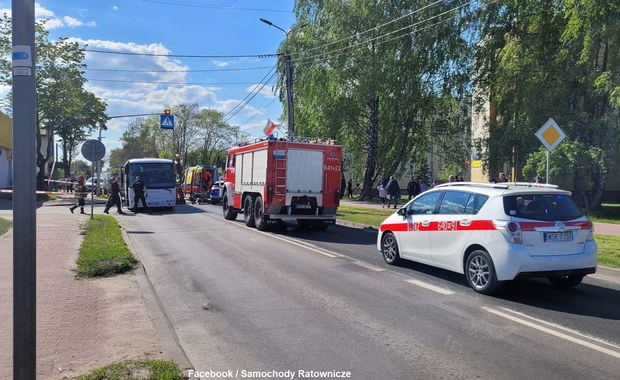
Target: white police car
493,233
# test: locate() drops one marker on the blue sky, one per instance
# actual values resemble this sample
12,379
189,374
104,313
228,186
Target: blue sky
174,27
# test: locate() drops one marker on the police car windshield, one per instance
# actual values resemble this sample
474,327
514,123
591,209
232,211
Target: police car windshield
543,207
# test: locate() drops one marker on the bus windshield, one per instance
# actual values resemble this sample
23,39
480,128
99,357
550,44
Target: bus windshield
154,175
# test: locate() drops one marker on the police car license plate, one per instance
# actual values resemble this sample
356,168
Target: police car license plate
303,206
557,236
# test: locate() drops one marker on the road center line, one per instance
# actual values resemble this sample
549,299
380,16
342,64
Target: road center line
428,286
538,326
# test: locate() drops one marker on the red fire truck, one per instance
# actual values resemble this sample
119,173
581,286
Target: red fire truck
275,179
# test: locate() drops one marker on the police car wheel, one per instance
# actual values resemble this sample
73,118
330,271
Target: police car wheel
389,249
480,272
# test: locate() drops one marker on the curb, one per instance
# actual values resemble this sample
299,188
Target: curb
170,341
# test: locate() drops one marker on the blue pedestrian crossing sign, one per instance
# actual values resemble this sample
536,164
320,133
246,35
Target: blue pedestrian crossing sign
166,121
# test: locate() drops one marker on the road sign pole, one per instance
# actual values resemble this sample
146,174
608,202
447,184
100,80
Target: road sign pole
92,193
24,198
548,158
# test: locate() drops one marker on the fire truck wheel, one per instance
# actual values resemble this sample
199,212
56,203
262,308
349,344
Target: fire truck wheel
260,219
229,214
248,211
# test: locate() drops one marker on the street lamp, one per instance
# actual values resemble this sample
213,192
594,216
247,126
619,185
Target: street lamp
289,81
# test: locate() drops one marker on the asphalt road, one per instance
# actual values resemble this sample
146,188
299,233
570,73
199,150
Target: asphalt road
243,300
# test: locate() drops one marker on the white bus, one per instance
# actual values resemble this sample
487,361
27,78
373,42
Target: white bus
159,180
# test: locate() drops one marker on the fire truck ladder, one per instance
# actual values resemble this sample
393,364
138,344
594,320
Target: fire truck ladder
280,158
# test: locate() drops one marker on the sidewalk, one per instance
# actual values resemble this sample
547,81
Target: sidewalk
599,228
81,323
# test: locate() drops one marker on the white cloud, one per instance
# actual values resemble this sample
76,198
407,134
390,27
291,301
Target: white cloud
266,91
72,22
114,8
41,12
221,63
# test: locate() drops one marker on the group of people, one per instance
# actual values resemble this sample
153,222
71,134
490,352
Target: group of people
501,178
114,197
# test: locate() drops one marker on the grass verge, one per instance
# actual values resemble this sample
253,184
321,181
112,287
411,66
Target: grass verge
103,251
5,225
608,245
609,213
136,369
364,215
608,250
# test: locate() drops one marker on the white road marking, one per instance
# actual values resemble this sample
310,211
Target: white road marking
538,325
368,266
428,286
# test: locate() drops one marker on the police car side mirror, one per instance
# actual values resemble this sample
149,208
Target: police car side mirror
402,211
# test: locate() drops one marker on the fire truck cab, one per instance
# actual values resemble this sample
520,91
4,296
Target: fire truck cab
275,179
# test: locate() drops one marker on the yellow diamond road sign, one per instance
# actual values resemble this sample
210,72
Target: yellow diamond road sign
550,135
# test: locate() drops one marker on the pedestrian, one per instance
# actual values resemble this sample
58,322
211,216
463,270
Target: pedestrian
382,194
80,194
451,179
350,188
139,189
491,179
394,190
502,177
459,177
114,198
178,167
411,188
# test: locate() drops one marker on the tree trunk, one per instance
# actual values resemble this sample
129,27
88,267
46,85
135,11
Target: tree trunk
371,158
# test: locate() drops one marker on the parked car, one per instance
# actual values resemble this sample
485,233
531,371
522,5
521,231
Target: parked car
216,192
493,233
91,184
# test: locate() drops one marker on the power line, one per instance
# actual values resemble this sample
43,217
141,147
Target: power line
194,5
363,43
180,71
258,112
170,83
375,28
240,104
250,99
269,55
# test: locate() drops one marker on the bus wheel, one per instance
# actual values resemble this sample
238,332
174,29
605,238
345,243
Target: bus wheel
229,214
248,214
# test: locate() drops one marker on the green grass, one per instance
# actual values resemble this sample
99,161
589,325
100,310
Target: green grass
608,250
136,369
364,215
608,246
103,251
609,213
5,225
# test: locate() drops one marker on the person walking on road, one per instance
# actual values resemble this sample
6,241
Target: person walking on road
114,199
394,191
139,189
80,194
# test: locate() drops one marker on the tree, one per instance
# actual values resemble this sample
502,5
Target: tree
379,79
63,106
214,136
539,59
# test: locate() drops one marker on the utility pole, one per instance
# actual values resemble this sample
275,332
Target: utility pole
98,175
24,192
289,81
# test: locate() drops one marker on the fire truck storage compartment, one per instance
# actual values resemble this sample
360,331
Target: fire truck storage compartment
253,173
304,172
